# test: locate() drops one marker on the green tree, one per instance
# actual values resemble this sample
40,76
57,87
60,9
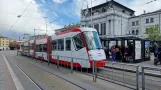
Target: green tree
153,33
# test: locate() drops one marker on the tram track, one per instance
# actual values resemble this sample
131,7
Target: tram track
48,71
34,82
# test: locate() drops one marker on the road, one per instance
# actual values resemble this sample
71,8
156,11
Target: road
40,76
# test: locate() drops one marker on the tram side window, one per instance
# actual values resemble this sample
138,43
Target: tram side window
37,48
41,48
68,44
61,44
31,46
54,42
78,42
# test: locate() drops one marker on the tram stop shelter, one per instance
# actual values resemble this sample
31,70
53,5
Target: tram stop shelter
140,46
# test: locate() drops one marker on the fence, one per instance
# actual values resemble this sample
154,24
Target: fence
120,73
149,81
128,75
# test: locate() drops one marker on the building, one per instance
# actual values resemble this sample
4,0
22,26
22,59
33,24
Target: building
113,18
138,24
110,18
4,43
36,36
14,44
67,27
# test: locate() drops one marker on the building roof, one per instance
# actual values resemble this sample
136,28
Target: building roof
113,3
3,37
147,13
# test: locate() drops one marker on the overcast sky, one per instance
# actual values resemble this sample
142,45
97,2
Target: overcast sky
59,13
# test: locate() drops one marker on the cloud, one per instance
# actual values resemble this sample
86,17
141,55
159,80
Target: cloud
43,1
140,5
82,4
137,5
30,20
59,1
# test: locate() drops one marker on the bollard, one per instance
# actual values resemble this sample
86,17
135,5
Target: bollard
123,75
17,53
93,69
137,78
143,79
58,62
48,59
72,65
112,72
95,65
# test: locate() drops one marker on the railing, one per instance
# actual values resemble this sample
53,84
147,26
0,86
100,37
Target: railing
155,79
124,74
128,75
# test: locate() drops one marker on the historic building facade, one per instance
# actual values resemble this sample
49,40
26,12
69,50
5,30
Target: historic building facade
113,18
110,18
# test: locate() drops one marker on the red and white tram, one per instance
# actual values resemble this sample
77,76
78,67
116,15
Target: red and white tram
83,44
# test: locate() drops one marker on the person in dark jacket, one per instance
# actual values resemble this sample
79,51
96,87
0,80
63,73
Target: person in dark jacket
158,53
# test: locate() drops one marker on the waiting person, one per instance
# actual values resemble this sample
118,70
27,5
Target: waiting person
127,54
107,52
122,52
113,52
118,52
158,54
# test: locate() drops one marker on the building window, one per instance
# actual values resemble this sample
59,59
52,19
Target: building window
103,10
68,44
147,20
123,11
133,23
129,33
137,22
151,20
61,44
131,14
103,28
137,32
78,43
96,26
133,32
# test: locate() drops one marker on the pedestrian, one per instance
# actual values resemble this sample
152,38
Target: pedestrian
158,54
113,52
127,53
107,53
117,52
122,52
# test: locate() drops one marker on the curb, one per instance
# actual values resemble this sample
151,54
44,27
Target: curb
133,71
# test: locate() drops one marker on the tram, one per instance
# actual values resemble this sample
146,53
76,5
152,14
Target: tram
81,44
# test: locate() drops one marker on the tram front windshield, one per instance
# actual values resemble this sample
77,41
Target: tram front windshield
92,40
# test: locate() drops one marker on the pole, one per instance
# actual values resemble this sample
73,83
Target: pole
46,24
34,34
91,16
159,22
137,78
121,23
143,79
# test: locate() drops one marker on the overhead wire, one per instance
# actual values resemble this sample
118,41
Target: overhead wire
22,13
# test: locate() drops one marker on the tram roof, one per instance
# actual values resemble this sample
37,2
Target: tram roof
120,37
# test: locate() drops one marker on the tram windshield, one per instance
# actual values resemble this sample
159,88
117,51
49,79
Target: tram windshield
92,40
